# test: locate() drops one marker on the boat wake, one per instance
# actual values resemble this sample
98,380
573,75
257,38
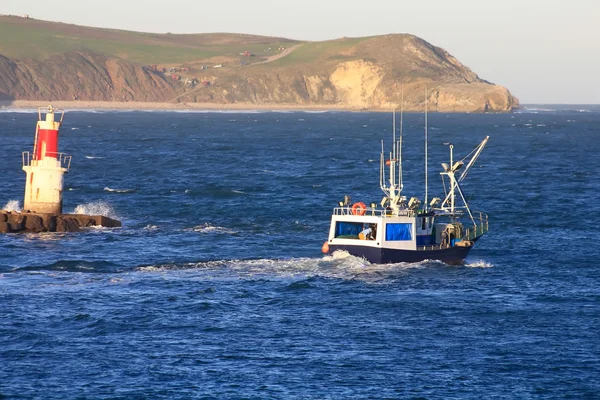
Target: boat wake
479,264
74,266
339,266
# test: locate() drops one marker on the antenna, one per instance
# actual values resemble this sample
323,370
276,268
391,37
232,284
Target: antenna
400,181
426,102
393,157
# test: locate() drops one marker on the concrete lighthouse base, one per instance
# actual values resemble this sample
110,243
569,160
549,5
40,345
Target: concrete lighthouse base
17,222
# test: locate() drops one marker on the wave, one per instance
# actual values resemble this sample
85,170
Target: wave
12,205
479,264
93,157
90,110
18,110
340,266
76,266
198,111
557,108
107,189
96,208
208,228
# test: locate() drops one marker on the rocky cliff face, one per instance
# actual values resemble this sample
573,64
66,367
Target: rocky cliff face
82,76
374,74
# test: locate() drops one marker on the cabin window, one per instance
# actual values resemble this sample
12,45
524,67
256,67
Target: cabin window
423,224
355,230
394,232
348,230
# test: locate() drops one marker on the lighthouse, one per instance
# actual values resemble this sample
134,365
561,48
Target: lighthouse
45,167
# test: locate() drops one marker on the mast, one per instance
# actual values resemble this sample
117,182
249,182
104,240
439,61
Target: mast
393,158
452,180
450,171
400,181
426,205
393,186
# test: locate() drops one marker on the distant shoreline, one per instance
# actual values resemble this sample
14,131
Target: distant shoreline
137,105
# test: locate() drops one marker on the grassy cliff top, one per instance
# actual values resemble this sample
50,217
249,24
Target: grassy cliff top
31,38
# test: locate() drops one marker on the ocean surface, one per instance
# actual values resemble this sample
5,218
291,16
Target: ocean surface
216,288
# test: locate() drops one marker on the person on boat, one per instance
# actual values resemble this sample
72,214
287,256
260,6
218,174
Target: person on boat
444,237
373,232
364,234
368,233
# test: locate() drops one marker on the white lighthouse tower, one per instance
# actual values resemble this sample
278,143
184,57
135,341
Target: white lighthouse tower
46,166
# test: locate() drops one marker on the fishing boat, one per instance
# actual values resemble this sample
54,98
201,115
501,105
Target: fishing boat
402,229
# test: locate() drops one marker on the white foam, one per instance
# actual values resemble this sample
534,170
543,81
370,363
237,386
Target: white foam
208,228
17,110
90,110
92,157
340,265
107,189
12,205
479,264
96,208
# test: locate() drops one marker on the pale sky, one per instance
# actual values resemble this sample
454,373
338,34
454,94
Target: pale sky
543,51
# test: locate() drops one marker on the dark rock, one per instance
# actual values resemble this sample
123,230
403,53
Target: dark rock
4,227
66,224
16,222
34,223
49,222
108,222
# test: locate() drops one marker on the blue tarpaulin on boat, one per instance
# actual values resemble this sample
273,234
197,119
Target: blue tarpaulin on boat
398,232
348,229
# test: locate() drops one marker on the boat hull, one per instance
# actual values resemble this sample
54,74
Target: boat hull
450,255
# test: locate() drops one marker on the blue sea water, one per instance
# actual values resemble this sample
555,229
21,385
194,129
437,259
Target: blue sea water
215,286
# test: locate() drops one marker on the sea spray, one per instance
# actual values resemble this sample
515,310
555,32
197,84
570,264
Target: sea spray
96,208
12,205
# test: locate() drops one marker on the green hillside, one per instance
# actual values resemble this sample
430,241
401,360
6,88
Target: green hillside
30,38
313,51
43,60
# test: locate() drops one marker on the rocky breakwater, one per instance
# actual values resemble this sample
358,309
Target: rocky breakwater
18,222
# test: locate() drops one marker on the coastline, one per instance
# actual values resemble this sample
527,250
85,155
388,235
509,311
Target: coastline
158,106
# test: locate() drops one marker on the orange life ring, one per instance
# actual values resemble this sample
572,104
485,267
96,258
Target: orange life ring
359,208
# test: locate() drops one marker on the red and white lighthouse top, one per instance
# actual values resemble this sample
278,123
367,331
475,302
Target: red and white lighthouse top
46,142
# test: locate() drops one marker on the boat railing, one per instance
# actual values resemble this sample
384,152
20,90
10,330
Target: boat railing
376,212
480,226
432,247
63,159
